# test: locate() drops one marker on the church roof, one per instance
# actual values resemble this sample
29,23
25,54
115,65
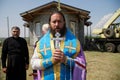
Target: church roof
30,14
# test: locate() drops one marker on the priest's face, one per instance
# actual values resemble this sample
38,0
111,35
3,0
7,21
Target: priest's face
57,24
15,33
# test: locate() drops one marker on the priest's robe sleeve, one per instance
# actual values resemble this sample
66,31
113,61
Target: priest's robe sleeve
4,54
38,62
79,72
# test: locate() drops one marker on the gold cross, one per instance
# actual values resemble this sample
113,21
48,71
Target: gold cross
59,9
70,47
44,49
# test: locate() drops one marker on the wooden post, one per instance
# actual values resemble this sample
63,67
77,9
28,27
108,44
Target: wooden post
0,70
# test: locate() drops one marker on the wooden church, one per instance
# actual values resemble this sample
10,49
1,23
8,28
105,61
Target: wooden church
75,19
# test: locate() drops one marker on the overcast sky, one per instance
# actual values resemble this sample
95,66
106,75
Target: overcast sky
13,8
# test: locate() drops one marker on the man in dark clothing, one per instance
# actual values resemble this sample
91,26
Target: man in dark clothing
15,51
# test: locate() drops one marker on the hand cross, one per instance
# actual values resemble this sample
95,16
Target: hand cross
57,40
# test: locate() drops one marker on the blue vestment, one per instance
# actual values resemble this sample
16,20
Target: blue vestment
60,71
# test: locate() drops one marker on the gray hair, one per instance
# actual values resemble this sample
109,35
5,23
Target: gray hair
15,27
45,27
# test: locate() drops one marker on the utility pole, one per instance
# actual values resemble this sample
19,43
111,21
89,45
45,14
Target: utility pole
8,25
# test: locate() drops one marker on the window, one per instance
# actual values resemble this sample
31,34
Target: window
72,26
38,29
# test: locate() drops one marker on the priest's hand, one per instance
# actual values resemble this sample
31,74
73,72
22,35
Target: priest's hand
59,56
4,70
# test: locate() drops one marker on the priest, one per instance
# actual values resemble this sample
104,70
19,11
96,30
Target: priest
15,54
59,55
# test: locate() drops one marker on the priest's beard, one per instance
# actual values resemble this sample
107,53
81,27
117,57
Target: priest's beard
61,31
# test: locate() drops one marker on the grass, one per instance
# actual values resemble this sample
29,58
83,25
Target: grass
103,66
100,66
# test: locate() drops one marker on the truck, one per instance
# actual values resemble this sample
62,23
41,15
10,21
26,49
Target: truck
108,36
